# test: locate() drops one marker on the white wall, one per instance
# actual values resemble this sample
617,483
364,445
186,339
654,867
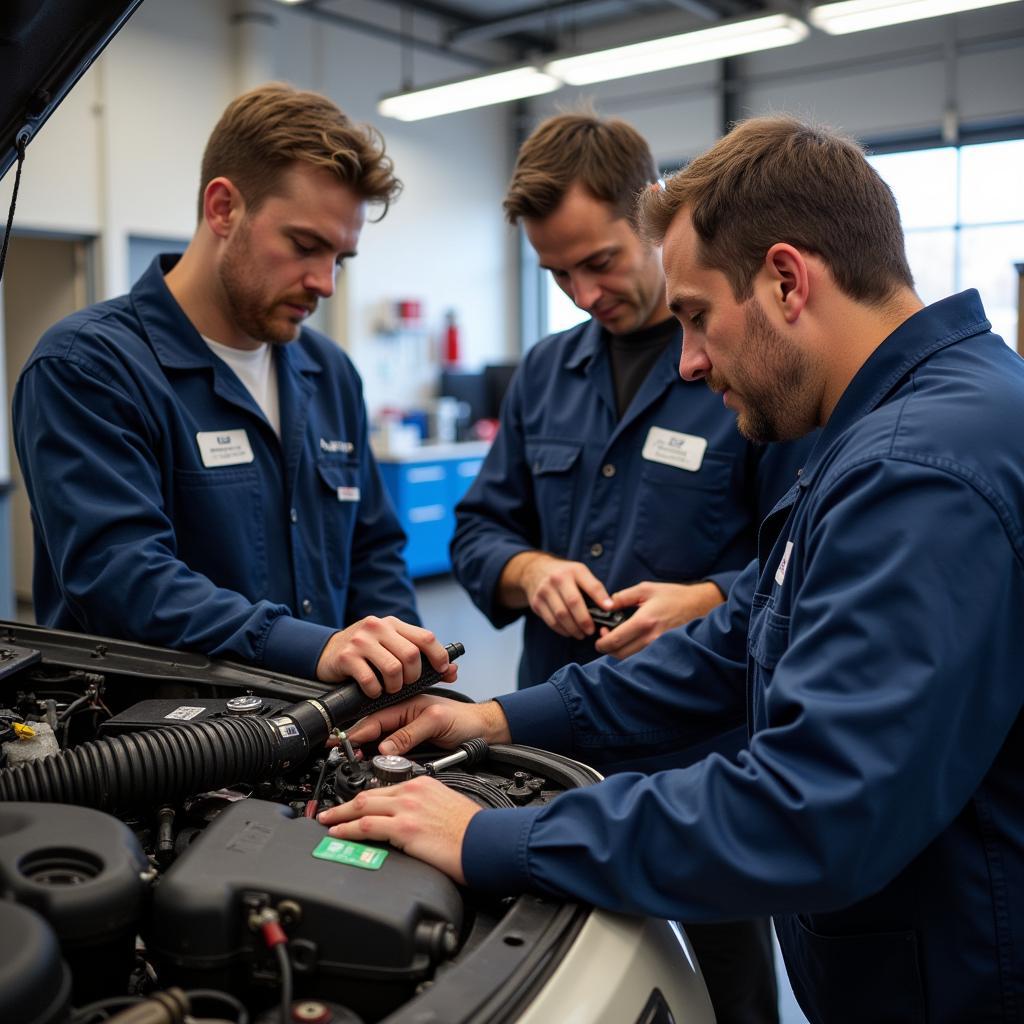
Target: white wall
121,156
444,241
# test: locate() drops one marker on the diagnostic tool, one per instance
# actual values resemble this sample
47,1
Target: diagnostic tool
610,619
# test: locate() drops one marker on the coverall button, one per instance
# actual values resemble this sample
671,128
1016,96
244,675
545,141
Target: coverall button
596,550
608,470
307,606
293,515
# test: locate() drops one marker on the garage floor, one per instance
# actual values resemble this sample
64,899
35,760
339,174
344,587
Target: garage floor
489,668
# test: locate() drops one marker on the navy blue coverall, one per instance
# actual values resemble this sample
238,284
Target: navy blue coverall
876,652
259,557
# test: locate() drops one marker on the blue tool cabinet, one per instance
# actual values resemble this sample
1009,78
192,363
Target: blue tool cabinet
425,485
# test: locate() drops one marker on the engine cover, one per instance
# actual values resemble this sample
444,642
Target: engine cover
376,929
82,870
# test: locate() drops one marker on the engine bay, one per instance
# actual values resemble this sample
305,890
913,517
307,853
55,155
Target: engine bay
229,901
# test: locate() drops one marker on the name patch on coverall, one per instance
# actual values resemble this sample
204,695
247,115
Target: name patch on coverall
224,447
672,448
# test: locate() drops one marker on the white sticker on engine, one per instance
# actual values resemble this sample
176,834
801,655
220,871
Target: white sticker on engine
185,713
288,730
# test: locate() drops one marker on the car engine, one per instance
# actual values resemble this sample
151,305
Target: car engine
152,873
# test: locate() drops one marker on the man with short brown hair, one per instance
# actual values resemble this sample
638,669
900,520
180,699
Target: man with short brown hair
605,458
874,649
197,459
613,482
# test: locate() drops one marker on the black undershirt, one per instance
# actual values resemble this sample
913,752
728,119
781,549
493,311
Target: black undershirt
633,355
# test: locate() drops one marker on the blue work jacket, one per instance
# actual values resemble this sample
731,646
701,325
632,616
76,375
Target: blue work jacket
876,651
261,556
567,476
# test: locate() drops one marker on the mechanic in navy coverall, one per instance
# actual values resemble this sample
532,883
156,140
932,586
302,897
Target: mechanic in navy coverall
609,472
874,648
196,459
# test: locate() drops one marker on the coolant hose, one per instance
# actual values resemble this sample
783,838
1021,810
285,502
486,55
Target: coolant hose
165,764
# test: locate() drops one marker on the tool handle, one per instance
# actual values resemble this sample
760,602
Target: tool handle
348,702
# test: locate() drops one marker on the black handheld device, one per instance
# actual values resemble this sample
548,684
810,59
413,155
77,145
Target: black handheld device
610,619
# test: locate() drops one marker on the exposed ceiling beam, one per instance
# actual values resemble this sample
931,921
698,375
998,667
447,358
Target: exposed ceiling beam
315,10
455,18
698,7
534,17
461,22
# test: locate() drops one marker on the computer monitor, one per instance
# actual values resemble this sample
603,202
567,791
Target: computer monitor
496,380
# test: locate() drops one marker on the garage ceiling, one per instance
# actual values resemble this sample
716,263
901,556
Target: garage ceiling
498,31
547,24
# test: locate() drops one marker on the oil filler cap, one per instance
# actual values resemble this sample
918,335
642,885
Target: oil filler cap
249,705
392,768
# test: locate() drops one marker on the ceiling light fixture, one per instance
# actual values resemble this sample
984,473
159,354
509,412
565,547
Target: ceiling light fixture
726,40
467,93
859,15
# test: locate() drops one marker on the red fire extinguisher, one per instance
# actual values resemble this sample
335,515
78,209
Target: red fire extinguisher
451,339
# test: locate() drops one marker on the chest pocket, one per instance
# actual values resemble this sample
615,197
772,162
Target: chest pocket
219,526
767,641
680,517
553,466
339,509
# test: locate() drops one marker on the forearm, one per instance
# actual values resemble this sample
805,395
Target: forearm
702,597
143,593
511,589
494,723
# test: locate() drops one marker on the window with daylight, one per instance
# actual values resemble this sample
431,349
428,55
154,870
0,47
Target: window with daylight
962,209
963,217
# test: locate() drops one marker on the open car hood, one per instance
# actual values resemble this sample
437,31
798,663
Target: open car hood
45,47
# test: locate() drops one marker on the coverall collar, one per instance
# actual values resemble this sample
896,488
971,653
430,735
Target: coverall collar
935,327
590,353
175,341
588,345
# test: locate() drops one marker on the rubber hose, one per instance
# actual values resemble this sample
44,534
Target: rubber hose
145,767
473,786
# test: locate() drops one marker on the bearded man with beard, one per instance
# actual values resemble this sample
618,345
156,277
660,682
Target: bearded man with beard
197,460
873,649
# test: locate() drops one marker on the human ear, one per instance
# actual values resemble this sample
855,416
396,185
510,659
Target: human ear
790,279
222,206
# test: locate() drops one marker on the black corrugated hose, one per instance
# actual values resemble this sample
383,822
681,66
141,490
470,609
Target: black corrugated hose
153,765
160,765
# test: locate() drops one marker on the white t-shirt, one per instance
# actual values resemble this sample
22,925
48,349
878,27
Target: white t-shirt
257,370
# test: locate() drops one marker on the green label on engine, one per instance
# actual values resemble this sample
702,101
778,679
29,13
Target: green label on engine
341,851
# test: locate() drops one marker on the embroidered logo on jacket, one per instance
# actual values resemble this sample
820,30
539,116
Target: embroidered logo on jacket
345,447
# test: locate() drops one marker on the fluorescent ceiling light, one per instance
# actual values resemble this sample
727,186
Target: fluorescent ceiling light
481,91
858,15
725,40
